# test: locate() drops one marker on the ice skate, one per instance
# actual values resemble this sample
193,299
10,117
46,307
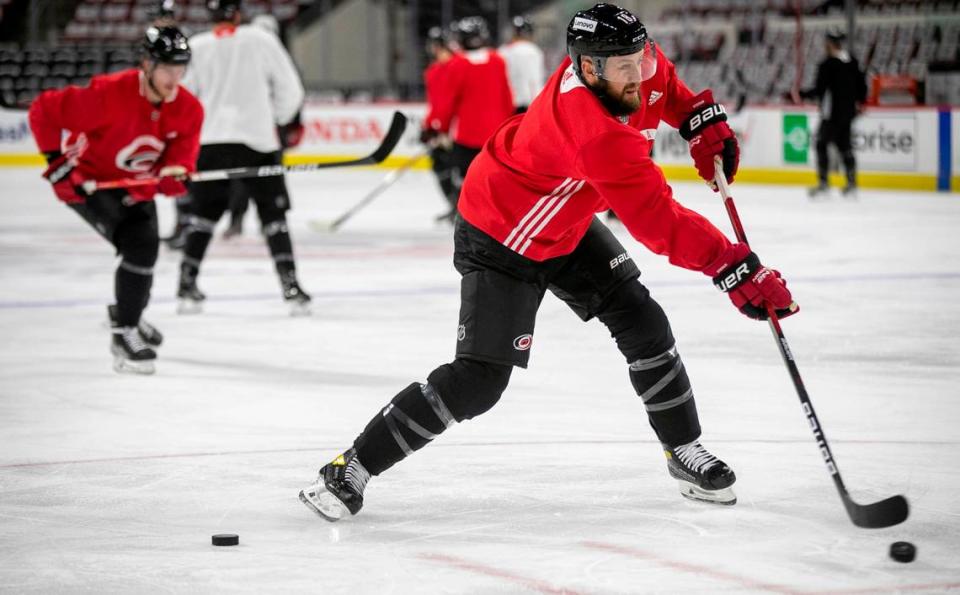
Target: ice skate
338,489
148,332
131,354
850,192
296,298
819,192
701,475
189,298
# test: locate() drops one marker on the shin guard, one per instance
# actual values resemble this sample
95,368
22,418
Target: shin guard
413,418
662,383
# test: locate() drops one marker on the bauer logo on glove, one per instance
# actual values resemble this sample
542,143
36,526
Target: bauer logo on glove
751,285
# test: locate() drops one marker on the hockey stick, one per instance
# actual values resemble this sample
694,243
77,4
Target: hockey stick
885,513
388,180
390,140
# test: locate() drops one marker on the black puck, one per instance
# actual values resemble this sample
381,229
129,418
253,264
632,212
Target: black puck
226,539
903,551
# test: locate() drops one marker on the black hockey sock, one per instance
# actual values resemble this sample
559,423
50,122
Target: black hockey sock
198,238
412,419
281,248
132,285
823,163
189,269
850,166
662,383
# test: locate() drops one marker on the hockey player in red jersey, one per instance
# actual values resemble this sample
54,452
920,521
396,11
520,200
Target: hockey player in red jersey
133,123
474,99
441,52
528,226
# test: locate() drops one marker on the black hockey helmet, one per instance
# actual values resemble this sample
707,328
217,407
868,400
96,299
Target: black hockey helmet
166,45
608,30
472,33
522,25
223,10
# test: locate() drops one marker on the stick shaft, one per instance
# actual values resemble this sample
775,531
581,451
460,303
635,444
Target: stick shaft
781,339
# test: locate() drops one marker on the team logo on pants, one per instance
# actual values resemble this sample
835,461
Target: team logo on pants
522,343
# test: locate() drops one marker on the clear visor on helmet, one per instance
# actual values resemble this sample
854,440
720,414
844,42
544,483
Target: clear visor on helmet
631,68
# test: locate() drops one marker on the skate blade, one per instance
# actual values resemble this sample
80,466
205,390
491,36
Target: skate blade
300,309
724,496
123,365
322,502
189,307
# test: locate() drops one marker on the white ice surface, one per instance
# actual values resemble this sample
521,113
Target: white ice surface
115,483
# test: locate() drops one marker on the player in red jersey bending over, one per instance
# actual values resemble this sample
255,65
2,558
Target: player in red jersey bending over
133,123
528,225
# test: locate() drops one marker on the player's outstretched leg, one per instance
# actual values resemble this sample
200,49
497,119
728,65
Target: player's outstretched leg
701,475
419,413
149,333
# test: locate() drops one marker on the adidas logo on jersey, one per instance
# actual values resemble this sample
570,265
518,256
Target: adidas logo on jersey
654,96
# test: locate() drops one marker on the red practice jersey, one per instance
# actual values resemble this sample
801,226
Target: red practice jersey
540,179
473,96
115,132
435,86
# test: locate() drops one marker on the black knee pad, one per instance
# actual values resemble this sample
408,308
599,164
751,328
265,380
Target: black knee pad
137,246
470,387
636,321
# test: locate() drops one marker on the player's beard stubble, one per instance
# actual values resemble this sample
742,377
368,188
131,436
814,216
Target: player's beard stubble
619,102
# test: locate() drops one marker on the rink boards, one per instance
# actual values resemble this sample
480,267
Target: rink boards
897,148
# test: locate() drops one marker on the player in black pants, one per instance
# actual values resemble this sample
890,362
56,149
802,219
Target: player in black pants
527,224
249,86
137,121
841,90
212,199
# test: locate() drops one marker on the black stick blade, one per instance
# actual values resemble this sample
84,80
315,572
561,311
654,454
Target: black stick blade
390,140
886,513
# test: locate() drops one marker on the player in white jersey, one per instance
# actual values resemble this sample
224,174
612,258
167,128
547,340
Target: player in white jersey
248,85
524,64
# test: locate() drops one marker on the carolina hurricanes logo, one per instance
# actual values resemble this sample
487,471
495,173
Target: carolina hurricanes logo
523,342
140,155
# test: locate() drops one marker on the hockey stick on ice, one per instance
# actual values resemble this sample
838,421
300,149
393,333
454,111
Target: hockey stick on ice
885,513
390,140
388,180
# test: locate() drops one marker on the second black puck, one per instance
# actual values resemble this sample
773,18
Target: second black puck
903,551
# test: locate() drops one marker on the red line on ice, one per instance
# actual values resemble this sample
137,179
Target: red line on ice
690,568
476,567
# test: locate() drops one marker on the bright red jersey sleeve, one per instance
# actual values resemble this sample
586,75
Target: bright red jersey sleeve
677,95
634,187
77,109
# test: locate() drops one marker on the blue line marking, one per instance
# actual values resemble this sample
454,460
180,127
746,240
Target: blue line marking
455,289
